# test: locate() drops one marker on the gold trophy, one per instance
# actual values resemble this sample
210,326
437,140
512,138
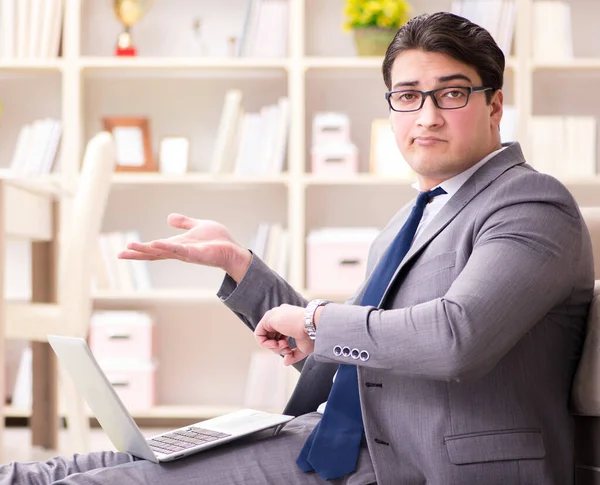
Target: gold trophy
128,12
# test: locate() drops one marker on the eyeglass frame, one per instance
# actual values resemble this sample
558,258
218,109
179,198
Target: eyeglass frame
425,94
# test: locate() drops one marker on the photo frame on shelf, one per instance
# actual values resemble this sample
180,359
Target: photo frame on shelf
174,155
385,157
133,146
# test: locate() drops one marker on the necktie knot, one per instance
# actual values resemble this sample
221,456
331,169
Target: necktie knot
424,197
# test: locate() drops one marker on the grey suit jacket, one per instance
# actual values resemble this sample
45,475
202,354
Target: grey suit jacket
472,351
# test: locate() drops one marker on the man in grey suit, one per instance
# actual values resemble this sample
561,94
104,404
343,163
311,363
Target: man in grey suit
464,367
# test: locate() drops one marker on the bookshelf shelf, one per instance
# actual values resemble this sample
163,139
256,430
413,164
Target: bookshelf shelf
31,65
349,62
168,63
122,179
175,295
590,63
358,179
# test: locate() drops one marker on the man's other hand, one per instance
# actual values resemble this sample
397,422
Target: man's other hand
277,325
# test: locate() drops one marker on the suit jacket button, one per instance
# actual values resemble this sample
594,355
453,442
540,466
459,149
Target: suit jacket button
346,351
355,353
364,356
337,351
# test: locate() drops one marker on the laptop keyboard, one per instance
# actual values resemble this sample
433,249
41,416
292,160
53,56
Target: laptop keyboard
183,439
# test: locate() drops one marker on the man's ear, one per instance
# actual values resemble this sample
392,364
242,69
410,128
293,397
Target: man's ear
496,104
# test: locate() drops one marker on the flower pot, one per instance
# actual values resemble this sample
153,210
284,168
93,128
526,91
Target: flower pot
373,41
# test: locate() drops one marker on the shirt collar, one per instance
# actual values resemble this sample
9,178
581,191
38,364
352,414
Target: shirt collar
452,185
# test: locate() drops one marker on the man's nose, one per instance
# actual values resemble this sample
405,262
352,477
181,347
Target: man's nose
429,114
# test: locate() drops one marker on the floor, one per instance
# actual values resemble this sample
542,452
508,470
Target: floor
17,444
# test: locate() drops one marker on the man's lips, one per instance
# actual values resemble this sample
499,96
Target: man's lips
427,140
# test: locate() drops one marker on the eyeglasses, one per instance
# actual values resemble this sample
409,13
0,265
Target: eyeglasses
450,97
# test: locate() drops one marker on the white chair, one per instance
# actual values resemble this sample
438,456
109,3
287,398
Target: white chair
71,314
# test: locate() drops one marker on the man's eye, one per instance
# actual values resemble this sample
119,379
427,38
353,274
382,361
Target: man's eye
454,94
407,97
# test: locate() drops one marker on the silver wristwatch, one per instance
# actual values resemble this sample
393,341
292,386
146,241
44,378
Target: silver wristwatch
309,316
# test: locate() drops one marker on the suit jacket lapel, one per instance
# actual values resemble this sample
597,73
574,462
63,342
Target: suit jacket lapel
483,177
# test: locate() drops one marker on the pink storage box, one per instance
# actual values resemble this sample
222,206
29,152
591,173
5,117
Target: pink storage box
122,334
334,159
134,382
330,127
337,258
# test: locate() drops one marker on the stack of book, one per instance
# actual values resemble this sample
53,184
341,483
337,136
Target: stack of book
31,28
496,16
251,143
111,273
564,146
271,244
552,31
265,29
36,148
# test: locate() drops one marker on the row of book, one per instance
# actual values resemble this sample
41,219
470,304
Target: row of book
271,244
265,29
552,30
36,148
114,274
564,146
496,16
251,143
31,28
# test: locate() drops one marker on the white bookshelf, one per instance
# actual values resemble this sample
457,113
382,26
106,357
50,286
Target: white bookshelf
182,93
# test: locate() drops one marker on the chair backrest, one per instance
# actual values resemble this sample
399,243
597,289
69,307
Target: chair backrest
80,237
591,216
585,397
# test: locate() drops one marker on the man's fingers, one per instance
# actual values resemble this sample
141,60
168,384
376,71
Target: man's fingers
129,254
293,357
168,246
180,221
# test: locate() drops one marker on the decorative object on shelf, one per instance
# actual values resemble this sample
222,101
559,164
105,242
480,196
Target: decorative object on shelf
332,153
200,47
132,143
232,44
374,23
386,158
129,12
174,154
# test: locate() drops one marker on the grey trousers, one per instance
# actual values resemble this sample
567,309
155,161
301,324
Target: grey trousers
259,459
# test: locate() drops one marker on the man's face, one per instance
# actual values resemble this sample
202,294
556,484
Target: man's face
439,144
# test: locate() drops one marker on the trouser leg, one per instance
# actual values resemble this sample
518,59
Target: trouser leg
261,459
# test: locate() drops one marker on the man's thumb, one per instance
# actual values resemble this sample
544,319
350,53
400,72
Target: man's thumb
180,221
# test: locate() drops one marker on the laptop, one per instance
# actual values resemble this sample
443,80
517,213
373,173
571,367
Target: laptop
76,357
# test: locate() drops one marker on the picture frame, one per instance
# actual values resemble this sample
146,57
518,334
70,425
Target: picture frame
133,148
385,158
174,155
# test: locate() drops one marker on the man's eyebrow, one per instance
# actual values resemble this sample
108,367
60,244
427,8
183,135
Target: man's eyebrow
443,79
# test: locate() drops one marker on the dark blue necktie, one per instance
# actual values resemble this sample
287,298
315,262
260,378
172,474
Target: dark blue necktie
332,448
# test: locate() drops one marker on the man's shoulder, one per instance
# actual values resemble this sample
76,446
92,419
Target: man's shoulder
523,182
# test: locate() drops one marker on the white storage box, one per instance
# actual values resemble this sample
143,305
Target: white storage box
133,381
337,258
334,159
330,127
122,334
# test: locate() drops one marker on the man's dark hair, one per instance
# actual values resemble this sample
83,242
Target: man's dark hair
454,36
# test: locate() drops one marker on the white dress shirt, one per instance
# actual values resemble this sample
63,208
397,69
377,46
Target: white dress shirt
451,186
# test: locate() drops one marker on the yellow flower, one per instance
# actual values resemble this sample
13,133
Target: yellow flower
380,13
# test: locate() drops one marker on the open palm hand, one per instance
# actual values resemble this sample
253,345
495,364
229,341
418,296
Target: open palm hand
205,242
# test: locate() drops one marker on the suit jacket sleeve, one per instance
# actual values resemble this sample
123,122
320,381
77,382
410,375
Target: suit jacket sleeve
260,290
523,259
